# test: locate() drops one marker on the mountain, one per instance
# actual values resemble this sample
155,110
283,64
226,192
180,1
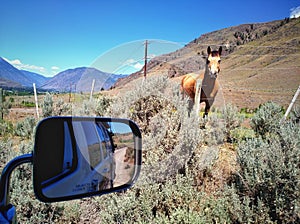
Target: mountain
191,58
36,78
12,77
81,79
260,62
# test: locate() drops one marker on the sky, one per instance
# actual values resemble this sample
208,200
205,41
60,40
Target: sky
48,37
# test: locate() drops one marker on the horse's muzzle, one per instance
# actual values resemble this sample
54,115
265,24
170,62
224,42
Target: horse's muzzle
213,75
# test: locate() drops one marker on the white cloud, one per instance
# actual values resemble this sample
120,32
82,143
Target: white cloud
138,66
33,67
134,64
55,68
129,66
130,61
19,65
15,62
295,12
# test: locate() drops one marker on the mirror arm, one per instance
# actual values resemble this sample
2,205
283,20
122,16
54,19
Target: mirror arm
5,177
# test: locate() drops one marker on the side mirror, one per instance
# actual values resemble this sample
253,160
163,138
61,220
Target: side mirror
76,157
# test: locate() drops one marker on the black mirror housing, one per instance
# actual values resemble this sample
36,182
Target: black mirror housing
77,157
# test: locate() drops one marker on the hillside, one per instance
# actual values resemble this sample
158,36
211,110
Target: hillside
8,83
255,59
265,69
35,77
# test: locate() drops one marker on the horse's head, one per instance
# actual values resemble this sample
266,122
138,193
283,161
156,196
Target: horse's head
213,62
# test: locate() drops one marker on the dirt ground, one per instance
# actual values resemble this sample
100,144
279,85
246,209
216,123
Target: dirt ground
18,114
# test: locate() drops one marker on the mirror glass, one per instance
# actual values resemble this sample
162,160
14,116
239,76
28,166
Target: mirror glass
77,157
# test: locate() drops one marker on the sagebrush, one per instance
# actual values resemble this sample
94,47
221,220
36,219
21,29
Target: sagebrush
195,170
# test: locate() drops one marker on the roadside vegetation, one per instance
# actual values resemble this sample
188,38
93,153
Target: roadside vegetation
232,167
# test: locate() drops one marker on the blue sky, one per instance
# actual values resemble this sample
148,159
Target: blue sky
51,36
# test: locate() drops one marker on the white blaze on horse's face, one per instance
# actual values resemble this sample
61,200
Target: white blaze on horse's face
213,62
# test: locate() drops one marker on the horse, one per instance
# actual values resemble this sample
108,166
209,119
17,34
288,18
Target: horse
210,85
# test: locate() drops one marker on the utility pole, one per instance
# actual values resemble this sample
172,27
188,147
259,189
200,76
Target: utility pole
145,64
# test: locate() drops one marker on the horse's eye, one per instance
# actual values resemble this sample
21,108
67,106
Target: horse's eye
207,61
219,61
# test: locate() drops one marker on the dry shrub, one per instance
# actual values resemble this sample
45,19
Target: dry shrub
270,169
190,173
212,167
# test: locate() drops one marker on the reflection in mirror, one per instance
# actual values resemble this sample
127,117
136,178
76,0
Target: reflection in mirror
77,157
124,152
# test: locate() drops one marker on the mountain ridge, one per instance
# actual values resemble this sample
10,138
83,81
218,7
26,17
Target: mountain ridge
82,77
191,58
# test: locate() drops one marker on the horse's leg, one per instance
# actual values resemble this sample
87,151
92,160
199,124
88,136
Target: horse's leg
207,108
208,104
204,99
191,105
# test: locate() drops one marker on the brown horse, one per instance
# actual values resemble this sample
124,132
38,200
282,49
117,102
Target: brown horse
210,85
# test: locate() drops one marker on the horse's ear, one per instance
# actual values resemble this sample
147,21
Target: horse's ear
220,50
208,50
